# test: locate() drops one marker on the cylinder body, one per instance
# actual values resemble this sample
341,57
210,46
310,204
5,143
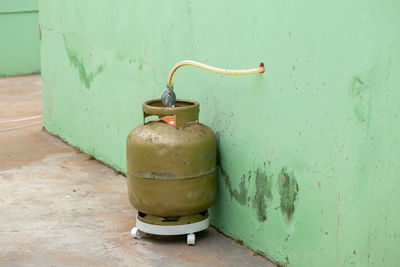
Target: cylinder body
171,170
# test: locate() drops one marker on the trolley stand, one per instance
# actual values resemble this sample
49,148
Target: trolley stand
184,229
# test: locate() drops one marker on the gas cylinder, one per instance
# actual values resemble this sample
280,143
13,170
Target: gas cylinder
171,163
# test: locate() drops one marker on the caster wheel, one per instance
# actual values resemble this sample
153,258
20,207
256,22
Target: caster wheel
191,239
136,233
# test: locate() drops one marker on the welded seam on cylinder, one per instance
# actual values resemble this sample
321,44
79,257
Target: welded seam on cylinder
173,178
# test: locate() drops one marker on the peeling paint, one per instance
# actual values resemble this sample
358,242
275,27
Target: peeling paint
85,77
288,189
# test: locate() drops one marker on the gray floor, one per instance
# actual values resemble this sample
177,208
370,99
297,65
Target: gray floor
60,208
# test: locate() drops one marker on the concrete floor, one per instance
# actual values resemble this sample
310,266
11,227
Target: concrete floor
60,208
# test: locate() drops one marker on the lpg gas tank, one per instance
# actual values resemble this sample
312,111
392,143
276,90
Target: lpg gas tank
171,162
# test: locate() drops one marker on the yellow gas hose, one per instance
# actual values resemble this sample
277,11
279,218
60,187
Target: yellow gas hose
213,69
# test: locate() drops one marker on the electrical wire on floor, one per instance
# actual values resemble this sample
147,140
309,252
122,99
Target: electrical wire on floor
22,126
22,119
19,127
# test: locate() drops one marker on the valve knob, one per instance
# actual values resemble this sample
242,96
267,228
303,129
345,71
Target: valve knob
168,98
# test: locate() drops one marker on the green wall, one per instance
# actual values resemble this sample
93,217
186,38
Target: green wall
19,37
309,151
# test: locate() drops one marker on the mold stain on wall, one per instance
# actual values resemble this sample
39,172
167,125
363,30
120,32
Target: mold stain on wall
85,77
288,189
263,193
241,195
263,184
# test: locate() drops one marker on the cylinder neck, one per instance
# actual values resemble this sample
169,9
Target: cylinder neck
184,110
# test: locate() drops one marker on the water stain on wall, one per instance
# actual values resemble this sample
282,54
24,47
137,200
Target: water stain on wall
263,192
239,195
288,189
361,95
85,77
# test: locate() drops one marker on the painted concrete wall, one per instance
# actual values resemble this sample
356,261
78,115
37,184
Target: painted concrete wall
19,37
309,152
